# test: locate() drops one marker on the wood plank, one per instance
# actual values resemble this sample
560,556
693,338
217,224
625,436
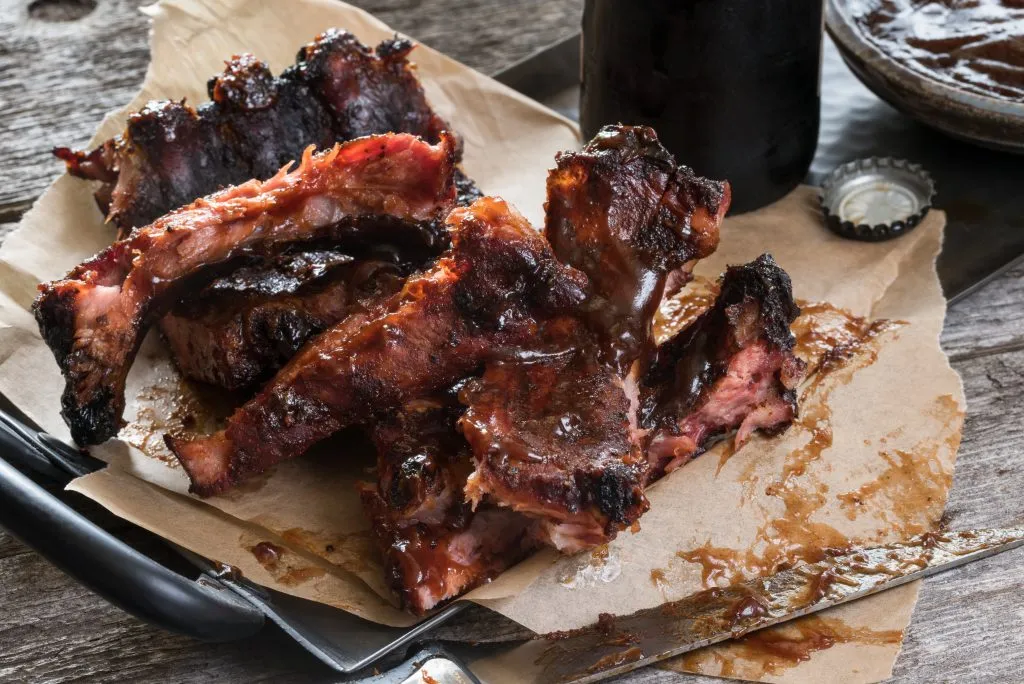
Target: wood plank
480,33
57,80
56,631
9,546
989,321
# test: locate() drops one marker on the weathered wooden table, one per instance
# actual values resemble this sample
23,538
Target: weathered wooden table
64,63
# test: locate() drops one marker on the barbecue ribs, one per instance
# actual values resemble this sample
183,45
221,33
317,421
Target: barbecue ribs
394,187
171,154
499,288
436,547
512,386
555,437
238,329
433,544
552,440
625,214
732,369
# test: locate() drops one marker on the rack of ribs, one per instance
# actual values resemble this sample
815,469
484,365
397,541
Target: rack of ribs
171,154
392,188
477,310
436,545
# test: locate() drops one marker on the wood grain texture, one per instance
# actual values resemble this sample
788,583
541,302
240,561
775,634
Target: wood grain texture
56,82
991,322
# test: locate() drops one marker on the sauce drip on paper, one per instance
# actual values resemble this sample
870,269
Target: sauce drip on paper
284,566
174,406
835,345
681,310
771,651
909,488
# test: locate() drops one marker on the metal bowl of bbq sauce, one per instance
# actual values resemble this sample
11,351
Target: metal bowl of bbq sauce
732,87
954,65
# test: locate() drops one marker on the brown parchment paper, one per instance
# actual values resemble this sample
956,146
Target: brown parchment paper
882,428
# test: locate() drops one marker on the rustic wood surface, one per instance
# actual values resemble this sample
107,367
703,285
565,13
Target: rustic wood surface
64,63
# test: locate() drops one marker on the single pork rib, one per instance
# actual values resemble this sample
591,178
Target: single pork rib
552,440
555,436
243,326
623,212
171,154
732,369
496,289
395,186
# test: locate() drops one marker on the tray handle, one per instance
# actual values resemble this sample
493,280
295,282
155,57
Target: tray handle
130,580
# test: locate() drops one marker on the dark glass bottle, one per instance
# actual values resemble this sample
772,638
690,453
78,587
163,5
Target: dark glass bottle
731,86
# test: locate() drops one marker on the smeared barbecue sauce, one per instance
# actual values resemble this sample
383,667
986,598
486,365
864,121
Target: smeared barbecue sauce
746,609
822,583
772,651
267,554
913,488
835,345
621,658
284,566
175,406
974,45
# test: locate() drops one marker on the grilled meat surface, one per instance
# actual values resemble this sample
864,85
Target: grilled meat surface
394,187
171,154
434,545
241,327
426,565
555,436
732,369
552,440
499,287
623,212
422,461
512,386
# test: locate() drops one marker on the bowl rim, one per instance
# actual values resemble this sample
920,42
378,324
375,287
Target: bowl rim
843,29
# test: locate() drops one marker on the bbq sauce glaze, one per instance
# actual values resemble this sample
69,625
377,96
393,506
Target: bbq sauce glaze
731,86
976,45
